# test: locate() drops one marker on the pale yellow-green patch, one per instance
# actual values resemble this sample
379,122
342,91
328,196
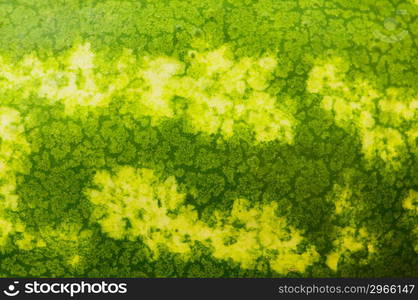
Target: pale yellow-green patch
29,241
74,260
326,74
135,203
411,202
6,227
386,121
70,79
332,260
214,92
350,237
412,136
81,58
13,151
341,197
80,85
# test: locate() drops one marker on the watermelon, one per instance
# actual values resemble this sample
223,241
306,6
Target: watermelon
235,138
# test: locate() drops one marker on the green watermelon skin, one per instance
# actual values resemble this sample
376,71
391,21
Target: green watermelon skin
233,138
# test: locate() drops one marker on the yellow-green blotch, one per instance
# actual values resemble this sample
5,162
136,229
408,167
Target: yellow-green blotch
212,91
386,121
135,203
13,150
410,203
349,238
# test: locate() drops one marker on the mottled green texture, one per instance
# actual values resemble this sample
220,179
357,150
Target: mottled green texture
289,127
